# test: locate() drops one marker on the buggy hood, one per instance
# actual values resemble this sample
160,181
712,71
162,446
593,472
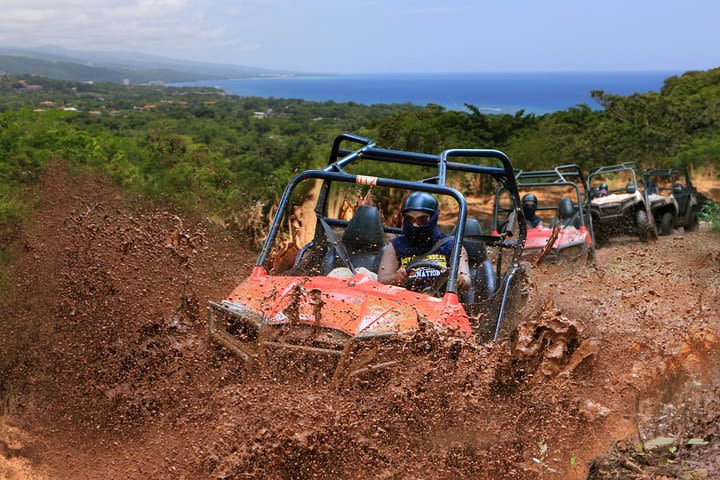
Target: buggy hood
357,306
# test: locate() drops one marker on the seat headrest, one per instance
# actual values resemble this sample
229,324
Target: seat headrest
472,228
364,229
474,247
566,208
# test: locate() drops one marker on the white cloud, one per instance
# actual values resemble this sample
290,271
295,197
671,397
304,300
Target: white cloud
153,26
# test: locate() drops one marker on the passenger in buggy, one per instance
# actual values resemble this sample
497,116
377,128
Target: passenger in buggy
604,190
529,206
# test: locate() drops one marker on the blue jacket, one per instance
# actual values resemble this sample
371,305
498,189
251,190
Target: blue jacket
422,278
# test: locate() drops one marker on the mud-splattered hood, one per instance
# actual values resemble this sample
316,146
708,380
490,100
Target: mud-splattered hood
357,306
539,236
616,198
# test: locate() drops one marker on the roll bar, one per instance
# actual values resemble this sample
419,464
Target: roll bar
380,182
505,175
625,166
558,176
428,160
673,173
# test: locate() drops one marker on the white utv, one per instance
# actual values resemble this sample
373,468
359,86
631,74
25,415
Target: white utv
673,199
620,209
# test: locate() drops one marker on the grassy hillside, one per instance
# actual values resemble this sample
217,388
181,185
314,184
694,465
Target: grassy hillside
212,153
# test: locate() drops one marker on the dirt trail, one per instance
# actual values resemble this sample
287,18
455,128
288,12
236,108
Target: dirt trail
106,372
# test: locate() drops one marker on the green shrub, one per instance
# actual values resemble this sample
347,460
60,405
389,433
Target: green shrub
711,213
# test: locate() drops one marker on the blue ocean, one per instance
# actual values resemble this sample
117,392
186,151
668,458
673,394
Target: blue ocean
491,92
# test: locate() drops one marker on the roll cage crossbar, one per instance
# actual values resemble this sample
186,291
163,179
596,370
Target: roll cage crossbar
558,176
625,166
340,158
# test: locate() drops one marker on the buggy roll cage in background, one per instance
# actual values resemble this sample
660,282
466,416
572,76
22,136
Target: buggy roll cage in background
340,158
560,175
673,173
625,166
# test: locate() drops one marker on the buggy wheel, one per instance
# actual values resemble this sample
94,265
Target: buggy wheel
646,228
694,223
666,224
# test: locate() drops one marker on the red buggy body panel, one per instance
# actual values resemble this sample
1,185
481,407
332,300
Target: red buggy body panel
538,237
356,306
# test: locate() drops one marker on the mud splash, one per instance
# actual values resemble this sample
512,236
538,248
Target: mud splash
106,359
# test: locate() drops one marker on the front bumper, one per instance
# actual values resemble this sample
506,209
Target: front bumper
248,335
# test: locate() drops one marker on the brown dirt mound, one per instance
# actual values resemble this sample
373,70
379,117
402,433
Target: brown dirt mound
106,323
108,371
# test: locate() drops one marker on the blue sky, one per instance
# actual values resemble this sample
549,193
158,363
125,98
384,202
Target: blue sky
384,36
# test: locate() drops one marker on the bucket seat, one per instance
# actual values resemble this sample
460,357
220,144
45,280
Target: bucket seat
568,214
481,268
364,241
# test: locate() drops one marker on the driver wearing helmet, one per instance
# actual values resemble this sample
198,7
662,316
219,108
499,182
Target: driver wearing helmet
529,206
603,190
421,241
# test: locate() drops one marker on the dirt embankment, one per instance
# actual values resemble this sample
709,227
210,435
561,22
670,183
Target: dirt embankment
106,371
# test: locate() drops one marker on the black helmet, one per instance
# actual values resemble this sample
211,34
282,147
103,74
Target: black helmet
529,197
604,186
566,208
422,201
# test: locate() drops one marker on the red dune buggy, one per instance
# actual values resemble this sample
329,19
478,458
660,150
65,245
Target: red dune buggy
569,235
306,310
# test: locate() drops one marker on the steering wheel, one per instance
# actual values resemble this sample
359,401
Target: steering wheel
441,279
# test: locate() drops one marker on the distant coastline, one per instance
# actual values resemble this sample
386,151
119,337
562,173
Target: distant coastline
537,93
260,76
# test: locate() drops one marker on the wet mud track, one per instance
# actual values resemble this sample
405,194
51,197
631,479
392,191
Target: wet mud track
106,371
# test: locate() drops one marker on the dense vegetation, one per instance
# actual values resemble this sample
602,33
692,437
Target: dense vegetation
218,154
679,124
